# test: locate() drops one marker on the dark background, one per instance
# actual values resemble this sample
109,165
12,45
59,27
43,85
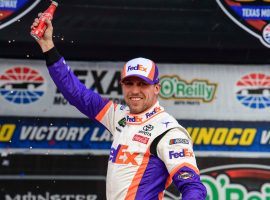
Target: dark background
186,31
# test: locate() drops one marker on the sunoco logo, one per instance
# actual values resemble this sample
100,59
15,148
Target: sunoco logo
21,85
253,90
237,182
12,10
178,89
251,15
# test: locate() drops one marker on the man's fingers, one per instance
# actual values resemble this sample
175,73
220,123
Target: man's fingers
35,23
49,23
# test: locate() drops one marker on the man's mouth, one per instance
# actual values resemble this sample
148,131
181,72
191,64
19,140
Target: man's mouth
135,98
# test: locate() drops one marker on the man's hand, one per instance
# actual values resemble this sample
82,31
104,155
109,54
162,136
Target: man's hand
46,42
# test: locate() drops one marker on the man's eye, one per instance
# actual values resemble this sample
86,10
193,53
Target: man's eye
143,84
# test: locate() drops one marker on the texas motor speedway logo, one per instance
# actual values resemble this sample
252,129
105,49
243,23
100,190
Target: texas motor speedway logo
251,15
22,85
253,90
12,10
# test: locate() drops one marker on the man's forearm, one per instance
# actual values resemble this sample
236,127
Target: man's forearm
47,46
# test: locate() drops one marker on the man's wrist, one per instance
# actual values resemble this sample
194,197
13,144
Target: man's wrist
52,56
47,46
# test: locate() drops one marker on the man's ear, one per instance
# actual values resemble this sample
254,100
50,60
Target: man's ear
157,88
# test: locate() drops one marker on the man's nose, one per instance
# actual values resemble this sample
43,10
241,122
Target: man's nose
136,89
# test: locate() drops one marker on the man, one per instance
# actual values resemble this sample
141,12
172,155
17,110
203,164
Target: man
150,149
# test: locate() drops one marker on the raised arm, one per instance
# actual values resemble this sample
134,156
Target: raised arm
85,100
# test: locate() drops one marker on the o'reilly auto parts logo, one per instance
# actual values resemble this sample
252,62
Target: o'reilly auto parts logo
12,10
173,87
238,182
21,85
251,15
253,90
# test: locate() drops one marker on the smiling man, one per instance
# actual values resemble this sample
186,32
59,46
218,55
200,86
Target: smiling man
140,84
150,149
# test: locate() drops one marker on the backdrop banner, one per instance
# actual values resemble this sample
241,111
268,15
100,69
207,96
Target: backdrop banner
30,135
188,91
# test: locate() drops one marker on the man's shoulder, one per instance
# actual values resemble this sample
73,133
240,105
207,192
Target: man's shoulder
166,117
120,111
168,123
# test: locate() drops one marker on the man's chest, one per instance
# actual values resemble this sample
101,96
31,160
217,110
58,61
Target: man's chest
132,142
137,136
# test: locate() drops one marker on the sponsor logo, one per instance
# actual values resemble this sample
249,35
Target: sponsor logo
50,196
173,87
140,139
153,112
122,107
12,10
135,119
120,155
21,85
251,15
222,136
146,130
185,175
6,132
148,127
253,91
122,122
180,154
242,181
166,123
179,141
137,68
145,133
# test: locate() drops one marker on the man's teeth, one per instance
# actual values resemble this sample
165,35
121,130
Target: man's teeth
135,98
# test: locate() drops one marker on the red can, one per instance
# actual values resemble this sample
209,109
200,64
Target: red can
38,31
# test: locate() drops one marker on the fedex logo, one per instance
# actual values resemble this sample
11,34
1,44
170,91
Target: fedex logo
182,153
154,111
120,155
138,67
134,119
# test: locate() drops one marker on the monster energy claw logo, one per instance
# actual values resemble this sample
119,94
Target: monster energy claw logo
178,89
